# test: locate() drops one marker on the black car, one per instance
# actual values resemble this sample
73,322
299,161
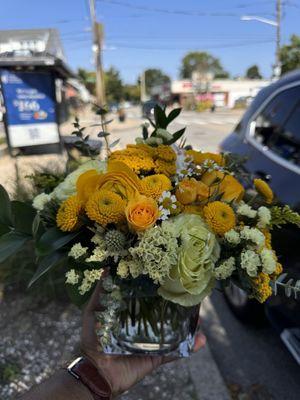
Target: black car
269,136
148,108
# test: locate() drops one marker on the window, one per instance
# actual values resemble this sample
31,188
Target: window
278,125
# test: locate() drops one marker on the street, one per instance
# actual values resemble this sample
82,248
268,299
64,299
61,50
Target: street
253,361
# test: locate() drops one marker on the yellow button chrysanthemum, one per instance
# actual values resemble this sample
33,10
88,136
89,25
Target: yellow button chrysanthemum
154,185
106,207
219,216
264,189
67,218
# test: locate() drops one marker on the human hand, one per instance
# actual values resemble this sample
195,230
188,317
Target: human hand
122,372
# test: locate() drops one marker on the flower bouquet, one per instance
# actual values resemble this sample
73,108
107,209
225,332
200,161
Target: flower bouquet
159,224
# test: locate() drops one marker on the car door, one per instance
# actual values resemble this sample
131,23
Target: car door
273,133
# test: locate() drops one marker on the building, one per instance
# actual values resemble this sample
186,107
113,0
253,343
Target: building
222,92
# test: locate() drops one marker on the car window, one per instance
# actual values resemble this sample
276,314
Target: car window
287,142
274,116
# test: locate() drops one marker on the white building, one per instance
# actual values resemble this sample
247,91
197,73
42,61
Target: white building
223,92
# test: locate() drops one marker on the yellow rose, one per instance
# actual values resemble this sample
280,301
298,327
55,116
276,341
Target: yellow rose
186,192
119,179
141,213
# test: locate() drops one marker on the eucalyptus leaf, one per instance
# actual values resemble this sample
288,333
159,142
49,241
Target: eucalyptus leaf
176,136
113,144
103,134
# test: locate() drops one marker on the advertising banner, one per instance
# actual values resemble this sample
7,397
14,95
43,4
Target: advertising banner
29,100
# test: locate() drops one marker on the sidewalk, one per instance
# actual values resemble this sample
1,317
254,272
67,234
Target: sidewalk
35,342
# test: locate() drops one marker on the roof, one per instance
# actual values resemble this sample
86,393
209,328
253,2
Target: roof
33,48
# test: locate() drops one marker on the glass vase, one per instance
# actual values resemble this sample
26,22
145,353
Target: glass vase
148,325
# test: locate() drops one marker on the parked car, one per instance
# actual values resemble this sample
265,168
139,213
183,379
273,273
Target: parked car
269,136
148,108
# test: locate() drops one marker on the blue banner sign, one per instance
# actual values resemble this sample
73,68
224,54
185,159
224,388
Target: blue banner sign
29,99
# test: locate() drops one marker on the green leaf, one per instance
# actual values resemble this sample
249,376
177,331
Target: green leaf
145,132
160,117
11,243
37,227
177,135
75,297
53,239
4,229
173,114
46,264
5,208
23,216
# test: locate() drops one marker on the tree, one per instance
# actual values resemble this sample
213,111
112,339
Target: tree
155,77
203,62
290,55
113,86
88,78
132,93
253,72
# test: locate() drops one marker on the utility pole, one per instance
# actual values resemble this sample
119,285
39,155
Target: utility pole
277,69
97,49
143,87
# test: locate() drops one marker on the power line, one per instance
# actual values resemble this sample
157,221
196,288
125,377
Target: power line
166,11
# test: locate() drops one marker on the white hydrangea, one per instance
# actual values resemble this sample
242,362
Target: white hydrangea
264,217
246,211
77,251
225,269
99,255
90,277
250,261
67,188
254,235
72,277
40,201
232,237
268,261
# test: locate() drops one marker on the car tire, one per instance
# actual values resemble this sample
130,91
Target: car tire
246,310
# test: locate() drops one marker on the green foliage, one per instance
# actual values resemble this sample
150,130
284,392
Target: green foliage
132,93
82,142
290,55
9,371
15,220
160,134
53,239
253,72
155,77
45,181
203,62
113,86
284,215
45,264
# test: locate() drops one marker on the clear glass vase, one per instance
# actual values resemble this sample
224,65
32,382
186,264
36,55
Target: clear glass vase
148,325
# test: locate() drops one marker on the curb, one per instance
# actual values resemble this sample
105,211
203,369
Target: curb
206,377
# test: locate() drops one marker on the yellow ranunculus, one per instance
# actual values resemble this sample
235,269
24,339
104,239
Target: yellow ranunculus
141,213
192,279
264,190
203,191
227,185
186,192
199,158
119,179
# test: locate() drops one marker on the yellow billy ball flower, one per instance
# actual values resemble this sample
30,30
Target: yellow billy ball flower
219,216
165,153
264,189
165,167
154,185
106,207
67,218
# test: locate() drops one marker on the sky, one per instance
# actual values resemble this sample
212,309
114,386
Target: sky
140,34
